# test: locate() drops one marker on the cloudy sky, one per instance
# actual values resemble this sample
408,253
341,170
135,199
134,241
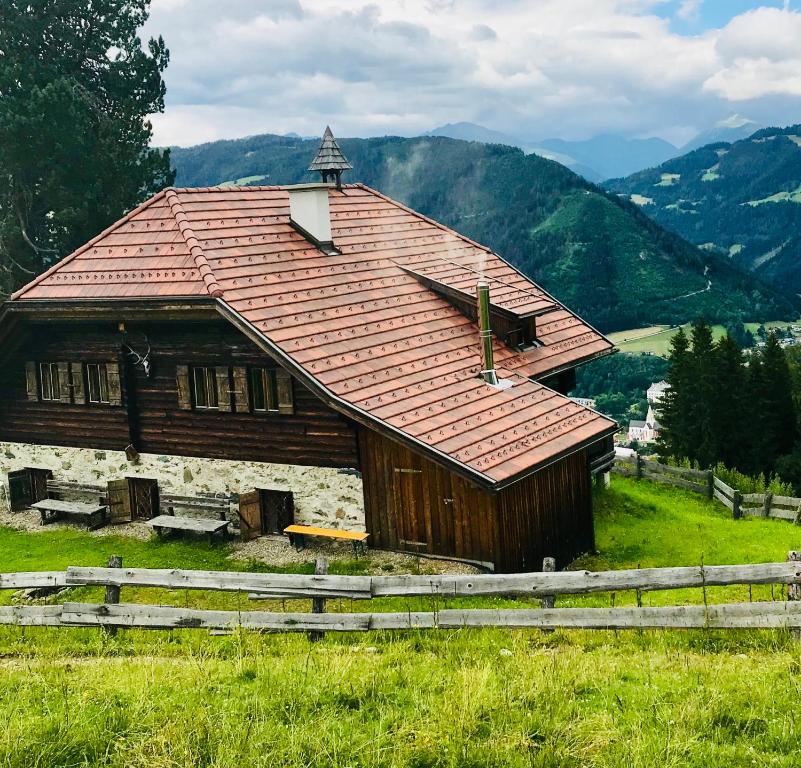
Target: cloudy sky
532,68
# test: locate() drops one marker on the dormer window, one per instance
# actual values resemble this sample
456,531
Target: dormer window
525,336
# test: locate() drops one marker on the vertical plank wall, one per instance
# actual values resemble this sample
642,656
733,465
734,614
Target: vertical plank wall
548,514
413,504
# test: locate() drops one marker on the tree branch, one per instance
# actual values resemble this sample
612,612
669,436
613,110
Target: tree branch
37,249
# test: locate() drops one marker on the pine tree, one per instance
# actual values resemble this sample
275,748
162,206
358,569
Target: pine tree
702,393
76,88
776,421
674,414
729,423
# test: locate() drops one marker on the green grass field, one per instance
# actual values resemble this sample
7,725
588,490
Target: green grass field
656,339
469,698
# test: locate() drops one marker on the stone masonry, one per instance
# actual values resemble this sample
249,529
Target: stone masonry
323,497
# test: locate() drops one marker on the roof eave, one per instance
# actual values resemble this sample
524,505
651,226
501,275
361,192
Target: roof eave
611,430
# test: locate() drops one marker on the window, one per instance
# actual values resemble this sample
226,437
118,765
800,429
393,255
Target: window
97,381
50,386
205,388
525,335
265,389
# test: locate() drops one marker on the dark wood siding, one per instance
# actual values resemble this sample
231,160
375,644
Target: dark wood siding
48,423
414,504
314,435
548,514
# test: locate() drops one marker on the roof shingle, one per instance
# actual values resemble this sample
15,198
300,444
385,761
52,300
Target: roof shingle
365,323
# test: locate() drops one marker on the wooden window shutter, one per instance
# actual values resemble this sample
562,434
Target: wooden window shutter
241,389
223,388
114,385
76,369
284,386
182,384
31,383
64,382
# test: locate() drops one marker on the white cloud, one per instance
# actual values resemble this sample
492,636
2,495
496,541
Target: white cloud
529,67
689,10
760,55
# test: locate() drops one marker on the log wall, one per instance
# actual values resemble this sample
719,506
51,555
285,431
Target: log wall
314,435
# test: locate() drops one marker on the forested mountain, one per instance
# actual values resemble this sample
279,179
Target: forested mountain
740,200
596,252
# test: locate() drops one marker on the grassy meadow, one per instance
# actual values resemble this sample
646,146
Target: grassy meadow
469,698
656,338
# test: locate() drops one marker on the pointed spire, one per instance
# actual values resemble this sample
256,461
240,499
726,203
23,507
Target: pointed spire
330,162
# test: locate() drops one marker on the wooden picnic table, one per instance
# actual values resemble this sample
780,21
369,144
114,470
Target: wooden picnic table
52,509
163,523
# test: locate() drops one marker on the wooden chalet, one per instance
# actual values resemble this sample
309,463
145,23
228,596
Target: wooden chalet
320,326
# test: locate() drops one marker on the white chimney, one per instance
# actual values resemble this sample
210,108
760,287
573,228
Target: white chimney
310,215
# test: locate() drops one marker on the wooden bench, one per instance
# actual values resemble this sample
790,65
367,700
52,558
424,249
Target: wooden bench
297,535
164,523
94,515
220,506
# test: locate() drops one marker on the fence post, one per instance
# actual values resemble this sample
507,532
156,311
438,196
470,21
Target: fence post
736,503
318,603
640,464
710,484
112,592
794,590
768,502
548,601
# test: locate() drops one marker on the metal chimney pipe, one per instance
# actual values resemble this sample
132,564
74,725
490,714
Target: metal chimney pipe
485,334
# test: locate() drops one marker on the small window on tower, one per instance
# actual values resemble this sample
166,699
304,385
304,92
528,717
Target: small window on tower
205,387
97,383
50,386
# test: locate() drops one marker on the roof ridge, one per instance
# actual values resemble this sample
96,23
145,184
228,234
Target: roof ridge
86,246
201,262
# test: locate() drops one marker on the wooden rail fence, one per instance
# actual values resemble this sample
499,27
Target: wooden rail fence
709,484
112,615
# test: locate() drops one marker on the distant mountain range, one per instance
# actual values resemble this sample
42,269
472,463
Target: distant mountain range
731,129
597,252
607,156
739,200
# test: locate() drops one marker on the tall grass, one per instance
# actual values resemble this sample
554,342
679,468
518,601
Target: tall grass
416,699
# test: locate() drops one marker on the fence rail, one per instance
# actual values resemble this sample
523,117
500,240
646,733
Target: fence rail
113,615
759,615
709,484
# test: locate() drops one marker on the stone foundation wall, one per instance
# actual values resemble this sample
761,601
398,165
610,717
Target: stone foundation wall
323,497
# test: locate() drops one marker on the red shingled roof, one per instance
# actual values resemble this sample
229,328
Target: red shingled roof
364,324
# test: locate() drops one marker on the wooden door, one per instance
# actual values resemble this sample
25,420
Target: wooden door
410,510
20,489
250,515
120,508
278,511
144,498
39,478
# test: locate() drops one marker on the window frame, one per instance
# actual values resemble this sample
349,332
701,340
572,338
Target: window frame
52,379
101,384
264,381
209,382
